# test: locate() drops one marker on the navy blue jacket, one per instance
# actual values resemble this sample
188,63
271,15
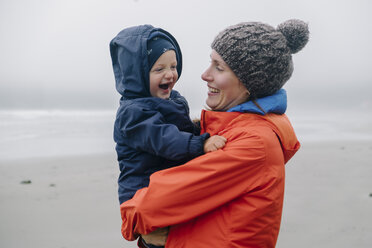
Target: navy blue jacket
151,133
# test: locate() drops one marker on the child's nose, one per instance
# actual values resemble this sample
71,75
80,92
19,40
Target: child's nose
169,74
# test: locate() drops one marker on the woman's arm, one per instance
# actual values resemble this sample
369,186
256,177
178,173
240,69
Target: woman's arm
182,193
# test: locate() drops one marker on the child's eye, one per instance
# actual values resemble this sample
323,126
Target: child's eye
158,69
173,67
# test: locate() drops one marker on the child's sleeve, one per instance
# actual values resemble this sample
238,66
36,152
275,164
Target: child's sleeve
197,127
146,130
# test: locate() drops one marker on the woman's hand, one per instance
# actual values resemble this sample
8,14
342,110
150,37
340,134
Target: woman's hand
214,143
157,237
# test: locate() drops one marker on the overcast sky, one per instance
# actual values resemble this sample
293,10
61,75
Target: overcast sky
55,54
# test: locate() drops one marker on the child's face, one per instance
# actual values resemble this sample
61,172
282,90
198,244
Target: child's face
163,75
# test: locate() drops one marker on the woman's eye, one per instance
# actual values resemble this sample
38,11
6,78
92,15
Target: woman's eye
158,69
217,66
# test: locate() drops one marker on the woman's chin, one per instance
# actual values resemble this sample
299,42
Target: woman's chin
212,106
215,101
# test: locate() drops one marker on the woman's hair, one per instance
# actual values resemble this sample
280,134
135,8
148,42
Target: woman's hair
258,106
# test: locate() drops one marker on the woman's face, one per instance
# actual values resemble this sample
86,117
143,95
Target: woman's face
224,88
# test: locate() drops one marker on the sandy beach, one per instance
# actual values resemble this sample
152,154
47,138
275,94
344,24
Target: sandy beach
72,201
328,197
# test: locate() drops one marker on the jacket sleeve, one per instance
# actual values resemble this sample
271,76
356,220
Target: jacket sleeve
146,130
182,193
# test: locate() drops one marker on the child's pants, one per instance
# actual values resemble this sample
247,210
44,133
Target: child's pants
142,244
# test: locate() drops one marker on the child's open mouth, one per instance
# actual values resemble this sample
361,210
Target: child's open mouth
164,86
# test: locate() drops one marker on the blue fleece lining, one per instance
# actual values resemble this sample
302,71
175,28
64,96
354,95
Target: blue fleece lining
276,103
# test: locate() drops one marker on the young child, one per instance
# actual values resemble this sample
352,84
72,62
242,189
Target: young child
153,130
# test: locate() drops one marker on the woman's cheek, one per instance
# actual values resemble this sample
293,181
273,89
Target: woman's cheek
221,82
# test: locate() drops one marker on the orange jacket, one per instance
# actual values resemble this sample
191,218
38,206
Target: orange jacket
232,197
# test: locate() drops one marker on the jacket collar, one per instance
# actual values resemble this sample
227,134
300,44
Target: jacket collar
213,122
276,103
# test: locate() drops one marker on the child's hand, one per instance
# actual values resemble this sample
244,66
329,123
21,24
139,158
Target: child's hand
157,237
214,143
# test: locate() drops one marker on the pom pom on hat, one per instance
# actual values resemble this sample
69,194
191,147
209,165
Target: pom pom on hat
296,32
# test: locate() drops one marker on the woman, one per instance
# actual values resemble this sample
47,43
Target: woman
232,197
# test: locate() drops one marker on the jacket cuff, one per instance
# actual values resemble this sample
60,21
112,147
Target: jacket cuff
196,145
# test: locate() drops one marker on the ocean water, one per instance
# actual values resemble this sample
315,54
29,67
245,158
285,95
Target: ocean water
333,126
40,133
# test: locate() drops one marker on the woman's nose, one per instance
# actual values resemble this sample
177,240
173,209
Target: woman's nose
206,76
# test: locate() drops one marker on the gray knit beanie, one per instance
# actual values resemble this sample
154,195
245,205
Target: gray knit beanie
260,55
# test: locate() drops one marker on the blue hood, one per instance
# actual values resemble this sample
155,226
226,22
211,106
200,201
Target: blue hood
129,59
276,103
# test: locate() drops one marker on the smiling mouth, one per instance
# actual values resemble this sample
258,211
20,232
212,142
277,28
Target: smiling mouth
213,90
164,86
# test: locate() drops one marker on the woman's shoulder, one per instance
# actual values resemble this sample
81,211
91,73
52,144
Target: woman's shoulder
250,126
269,132
248,121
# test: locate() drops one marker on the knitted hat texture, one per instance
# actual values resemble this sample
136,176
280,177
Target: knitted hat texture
260,55
156,47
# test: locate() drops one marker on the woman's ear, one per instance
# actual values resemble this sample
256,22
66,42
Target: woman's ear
248,93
